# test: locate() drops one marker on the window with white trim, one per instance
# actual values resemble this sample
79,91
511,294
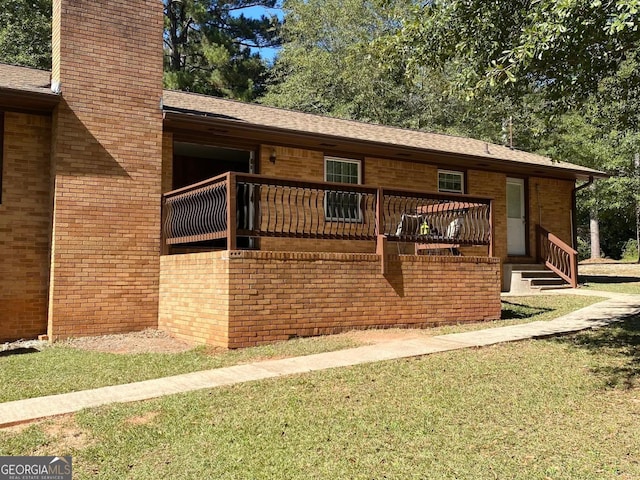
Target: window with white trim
342,205
450,181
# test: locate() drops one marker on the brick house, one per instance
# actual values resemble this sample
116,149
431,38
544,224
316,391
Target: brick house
124,206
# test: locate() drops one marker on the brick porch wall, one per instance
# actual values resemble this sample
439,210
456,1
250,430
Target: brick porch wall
25,223
270,296
194,297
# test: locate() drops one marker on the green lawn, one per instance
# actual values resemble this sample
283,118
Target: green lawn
621,277
61,369
611,283
564,408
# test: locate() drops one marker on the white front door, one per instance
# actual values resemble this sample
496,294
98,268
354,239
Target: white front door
516,224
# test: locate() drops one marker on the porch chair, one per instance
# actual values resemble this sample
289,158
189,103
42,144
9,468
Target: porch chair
412,227
411,224
452,233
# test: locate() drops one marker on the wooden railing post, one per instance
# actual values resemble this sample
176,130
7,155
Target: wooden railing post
555,253
164,247
491,232
381,239
232,192
573,259
379,213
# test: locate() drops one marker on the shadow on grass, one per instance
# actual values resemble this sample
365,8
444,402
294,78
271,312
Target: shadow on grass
607,279
621,342
512,310
18,351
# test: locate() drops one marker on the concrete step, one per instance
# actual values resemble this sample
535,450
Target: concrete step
540,282
531,278
527,266
554,287
534,274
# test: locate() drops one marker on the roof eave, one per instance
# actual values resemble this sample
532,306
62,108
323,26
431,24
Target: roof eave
27,101
174,114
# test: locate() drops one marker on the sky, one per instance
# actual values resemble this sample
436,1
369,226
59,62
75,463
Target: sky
255,12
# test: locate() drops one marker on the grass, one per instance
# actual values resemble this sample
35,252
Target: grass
563,408
61,369
611,283
532,308
620,277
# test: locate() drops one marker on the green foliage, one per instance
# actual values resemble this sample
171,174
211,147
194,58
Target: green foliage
582,138
584,249
25,33
604,133
331,63
630,250
208,49
565,47
329,66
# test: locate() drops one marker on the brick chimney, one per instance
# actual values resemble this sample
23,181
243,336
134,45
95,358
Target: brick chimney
106,166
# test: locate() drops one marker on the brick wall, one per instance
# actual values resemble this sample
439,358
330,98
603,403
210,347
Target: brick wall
194,297
270,296
550,206
107,159
401,174
294,163
490,184
25,222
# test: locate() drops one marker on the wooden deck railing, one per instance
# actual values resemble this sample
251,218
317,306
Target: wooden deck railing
436,218
243,205
557,256
198,212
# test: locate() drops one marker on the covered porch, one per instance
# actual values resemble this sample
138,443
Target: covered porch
253,259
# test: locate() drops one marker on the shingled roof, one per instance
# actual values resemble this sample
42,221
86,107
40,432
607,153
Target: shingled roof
25,79
289,120
22,80
26,89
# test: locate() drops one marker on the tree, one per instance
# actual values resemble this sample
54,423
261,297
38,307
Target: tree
603,134
208,49
327,64
331,64
564,47
575,57
25,33
615,109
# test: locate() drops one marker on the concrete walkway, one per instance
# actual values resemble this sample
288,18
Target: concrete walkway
615,308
